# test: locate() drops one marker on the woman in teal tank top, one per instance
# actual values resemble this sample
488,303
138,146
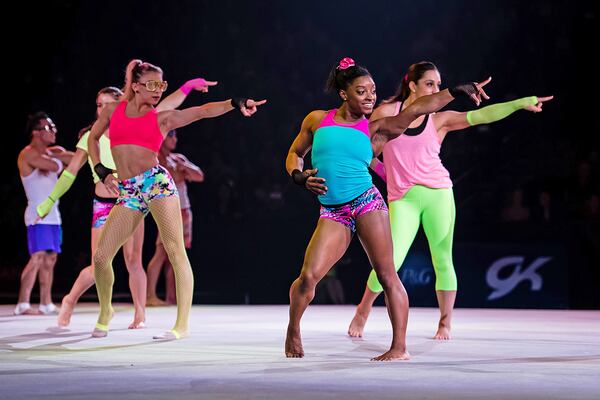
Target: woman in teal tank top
343,143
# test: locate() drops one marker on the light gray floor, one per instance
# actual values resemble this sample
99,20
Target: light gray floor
236,352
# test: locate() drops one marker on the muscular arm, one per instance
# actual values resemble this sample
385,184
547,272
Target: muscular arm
172,101
294,161
175,99
191,171
40,161
392,127
378,141
303,142
169,120
174,119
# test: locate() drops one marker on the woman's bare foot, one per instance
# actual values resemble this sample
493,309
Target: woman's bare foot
139,319
65,312
293,344
357,326
443,333
155,302
392,355
137,324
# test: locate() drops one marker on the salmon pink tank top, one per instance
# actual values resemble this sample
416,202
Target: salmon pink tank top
141,131
413,158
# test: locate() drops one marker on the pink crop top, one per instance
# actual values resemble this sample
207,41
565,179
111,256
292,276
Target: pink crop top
141,131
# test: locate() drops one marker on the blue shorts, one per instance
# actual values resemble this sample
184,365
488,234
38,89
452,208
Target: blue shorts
41,237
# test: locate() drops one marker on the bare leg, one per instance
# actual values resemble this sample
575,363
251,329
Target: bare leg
446,300
374,232
46,276
363,310
154,267
84,281
328,244
29,275
132,251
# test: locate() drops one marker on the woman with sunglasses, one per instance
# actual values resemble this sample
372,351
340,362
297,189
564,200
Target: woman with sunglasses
343,143
103,202
419,187
137,129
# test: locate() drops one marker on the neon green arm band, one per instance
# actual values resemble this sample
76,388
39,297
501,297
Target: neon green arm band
496,112
62,185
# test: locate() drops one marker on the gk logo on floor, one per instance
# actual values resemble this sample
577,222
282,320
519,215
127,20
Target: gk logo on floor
504,286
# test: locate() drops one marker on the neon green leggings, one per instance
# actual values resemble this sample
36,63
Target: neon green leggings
435,209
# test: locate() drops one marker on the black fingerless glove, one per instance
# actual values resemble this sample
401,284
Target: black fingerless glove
465,90
102,171
239,102
299,178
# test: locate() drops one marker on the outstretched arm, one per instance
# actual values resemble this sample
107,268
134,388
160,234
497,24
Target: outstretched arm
294,162
174,119
395,126
452,120
175,99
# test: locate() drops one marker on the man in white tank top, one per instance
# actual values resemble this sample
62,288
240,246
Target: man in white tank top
40,164
182,170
